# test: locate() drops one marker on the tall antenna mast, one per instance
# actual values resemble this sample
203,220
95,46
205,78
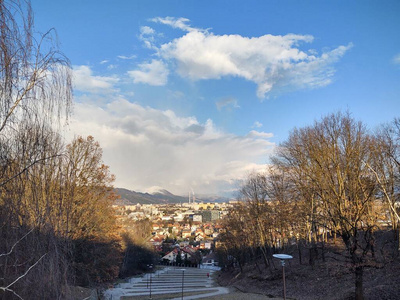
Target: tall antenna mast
194,197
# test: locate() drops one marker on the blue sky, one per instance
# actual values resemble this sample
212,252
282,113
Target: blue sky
196,94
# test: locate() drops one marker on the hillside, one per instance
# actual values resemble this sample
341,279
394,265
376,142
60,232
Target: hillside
128,197
330,278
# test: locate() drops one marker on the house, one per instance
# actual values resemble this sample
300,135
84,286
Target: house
186,233
157,240
183,244
205,245
208,230
189,250
197,218
171,256
199,235
186,253
190,254
215,235
210,260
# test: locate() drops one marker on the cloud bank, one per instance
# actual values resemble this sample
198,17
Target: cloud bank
149,147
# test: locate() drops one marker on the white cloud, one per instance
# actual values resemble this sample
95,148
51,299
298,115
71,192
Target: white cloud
147,36
147,147
112,67
272,62
259,134
396,59
124,57
153,73
146,30
257,125
180,23
85,81
228,103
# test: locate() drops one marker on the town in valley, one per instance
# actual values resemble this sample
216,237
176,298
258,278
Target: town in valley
189,229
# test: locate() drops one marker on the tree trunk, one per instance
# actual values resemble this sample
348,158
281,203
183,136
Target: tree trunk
255,260
240,266
398,238
359,283
299,250
264,255
313,251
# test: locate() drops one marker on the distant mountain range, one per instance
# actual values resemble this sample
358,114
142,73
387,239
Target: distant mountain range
128,197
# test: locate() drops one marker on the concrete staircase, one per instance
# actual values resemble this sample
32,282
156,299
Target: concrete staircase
171,282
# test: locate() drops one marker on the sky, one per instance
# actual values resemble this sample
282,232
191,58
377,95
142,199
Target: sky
186,95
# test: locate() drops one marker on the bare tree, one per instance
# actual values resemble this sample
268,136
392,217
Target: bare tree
264,220
253,194
35,80
385,168
334,177
35,95
236,239
332,155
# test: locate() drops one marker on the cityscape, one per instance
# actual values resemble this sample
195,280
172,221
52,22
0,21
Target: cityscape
219,150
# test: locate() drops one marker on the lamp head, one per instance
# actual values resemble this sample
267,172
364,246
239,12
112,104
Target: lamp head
282,256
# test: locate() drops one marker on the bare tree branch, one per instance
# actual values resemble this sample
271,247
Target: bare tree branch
27,271
7,288
27,168
15,244
384,191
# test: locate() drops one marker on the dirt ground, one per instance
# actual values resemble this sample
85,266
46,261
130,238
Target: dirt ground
235,295
329,280
379,284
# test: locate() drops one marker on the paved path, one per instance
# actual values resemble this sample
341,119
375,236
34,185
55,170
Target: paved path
169,281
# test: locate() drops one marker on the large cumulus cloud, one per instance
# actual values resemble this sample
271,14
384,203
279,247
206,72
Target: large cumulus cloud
272,62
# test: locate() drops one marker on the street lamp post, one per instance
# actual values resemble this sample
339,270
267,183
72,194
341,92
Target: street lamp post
283,257
183,277
150,286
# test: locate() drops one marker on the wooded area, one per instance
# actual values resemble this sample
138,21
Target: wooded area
57,226
334,180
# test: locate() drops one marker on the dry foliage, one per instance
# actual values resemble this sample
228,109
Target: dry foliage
57,226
